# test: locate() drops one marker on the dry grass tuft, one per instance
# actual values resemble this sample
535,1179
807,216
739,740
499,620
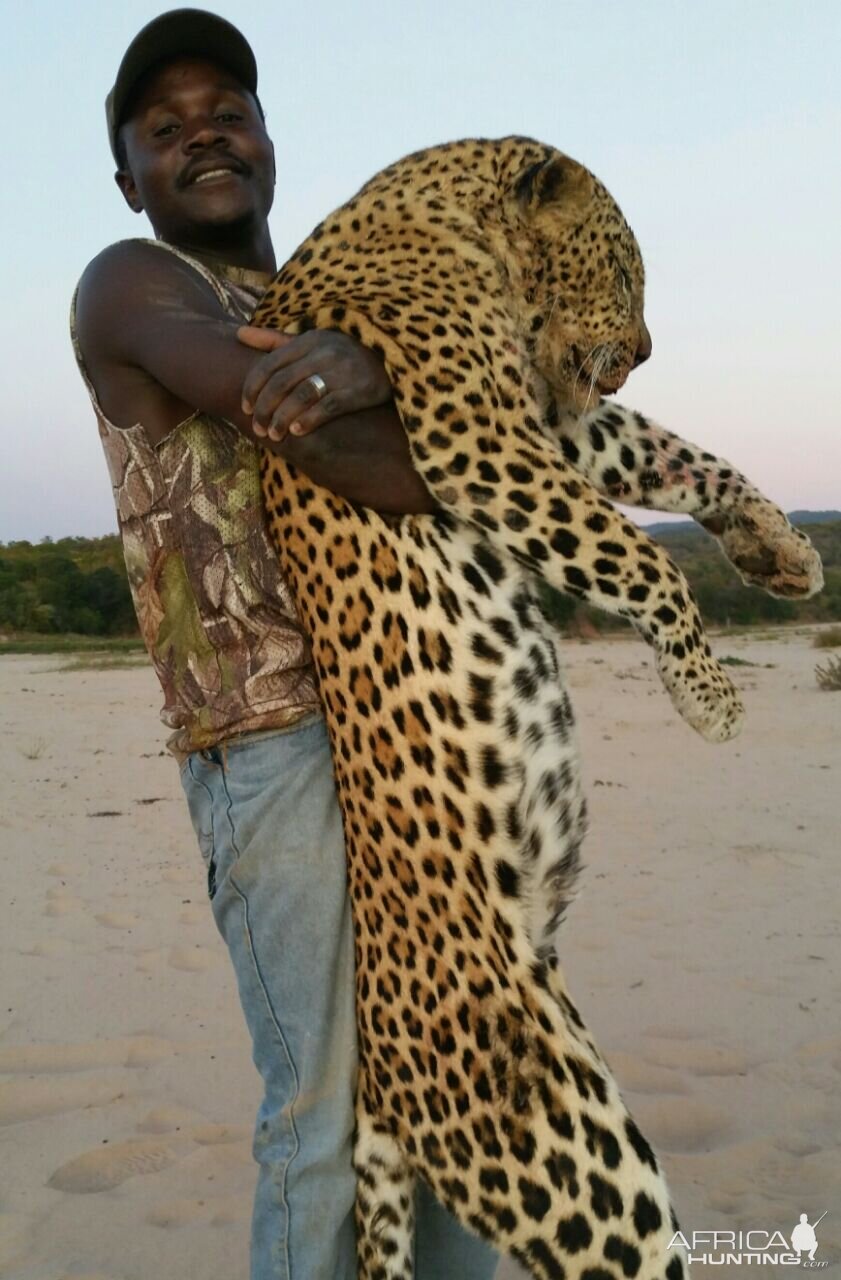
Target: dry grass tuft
829,639
829,676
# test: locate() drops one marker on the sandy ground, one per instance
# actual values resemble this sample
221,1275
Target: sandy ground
704,950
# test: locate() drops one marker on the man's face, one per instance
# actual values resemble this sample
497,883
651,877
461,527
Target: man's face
199,160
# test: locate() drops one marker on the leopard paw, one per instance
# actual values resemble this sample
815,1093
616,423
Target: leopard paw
702,692
767,551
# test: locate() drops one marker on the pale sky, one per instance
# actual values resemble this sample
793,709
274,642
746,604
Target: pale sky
716,125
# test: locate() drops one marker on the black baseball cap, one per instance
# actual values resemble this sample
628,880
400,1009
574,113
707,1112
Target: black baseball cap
180,31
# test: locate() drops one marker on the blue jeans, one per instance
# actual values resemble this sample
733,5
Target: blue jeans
265,812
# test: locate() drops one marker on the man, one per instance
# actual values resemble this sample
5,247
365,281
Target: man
181,399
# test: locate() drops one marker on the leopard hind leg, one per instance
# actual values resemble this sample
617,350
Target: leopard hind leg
385,1205
551,806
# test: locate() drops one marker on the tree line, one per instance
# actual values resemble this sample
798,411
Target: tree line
79,586
74,585
722,597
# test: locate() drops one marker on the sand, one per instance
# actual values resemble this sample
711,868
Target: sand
704,951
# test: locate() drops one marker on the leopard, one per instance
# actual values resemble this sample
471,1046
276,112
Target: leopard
502,287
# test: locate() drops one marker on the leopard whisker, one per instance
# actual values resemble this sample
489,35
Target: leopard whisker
601,359
579,371
552,309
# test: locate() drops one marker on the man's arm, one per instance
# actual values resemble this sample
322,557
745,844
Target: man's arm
158,347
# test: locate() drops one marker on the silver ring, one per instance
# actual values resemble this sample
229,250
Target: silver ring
319,386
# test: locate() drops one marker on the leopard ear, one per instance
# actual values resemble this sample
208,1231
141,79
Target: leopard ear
558,181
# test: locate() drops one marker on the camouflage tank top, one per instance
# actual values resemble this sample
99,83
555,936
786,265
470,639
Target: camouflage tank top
215,614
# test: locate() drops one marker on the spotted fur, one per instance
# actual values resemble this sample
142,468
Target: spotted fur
503,288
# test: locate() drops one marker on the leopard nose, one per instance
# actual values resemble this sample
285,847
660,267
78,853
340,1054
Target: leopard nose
643,345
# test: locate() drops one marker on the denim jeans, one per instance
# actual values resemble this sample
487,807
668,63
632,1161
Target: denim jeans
265,812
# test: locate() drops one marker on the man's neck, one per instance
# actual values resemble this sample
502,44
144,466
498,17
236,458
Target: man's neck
253,253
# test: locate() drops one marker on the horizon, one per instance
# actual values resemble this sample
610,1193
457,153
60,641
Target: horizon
663,521
711,127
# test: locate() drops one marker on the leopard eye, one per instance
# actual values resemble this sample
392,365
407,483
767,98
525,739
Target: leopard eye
625,277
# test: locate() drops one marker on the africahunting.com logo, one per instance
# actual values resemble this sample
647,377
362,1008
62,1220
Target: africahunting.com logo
754,1247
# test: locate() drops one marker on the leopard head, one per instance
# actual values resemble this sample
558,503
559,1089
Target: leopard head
582,284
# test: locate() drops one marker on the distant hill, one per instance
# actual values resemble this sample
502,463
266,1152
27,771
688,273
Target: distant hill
723,598
686,526
79,585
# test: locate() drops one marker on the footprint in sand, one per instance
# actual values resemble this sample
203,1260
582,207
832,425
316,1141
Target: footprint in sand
150,960
31,1099
193,915
232,1210
763,986
671,1032
212,1135
191,959
797,1145
726,1201
697,1057
820,1168
761,1166
682,1124
176,1213
167,1120
116,920
61,903
769,859
130,1051
205,1133
14,1239
145,1051
107,1167
47,949
591,944
178,875
828,1047
643,915
217,1212
638,1076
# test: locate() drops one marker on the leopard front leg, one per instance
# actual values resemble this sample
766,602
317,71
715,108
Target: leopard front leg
531,503
512,483
630,459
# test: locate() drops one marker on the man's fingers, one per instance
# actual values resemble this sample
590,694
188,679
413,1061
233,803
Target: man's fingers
263,339
294,408
355,376
281,368
280,351
317,415
290,386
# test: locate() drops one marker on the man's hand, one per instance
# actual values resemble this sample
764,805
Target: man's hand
159,348
278,392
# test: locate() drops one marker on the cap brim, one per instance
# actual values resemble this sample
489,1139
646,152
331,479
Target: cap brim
181,31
